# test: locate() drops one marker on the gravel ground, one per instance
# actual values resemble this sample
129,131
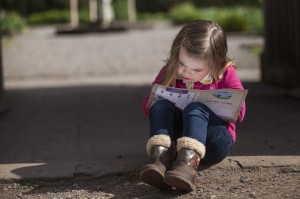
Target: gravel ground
259,182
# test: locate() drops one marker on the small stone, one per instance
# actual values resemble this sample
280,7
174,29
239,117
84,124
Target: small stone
193,193
109,195
244,179
75,185
69,196
253,194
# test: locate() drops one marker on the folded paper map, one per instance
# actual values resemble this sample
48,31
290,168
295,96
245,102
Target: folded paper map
226,103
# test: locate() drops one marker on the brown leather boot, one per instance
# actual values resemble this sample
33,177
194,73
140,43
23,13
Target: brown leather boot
161,152
184,170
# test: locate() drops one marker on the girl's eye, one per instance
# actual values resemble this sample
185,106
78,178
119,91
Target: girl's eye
197,71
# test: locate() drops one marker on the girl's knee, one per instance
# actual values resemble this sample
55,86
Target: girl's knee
218,148
163,103
195,106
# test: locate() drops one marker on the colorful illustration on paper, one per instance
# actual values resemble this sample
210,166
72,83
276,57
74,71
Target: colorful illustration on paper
222,95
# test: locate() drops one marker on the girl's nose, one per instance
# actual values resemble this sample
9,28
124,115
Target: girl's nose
187,71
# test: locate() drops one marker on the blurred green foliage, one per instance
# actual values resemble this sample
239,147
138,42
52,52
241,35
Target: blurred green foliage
27,7
232,15
120,9
237,18
184,12
158,16
49,17
56,17
154,6
11,23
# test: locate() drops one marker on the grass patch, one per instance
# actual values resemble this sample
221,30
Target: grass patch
11,23
56,17
236,18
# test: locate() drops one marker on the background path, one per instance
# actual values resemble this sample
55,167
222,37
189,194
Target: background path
120,57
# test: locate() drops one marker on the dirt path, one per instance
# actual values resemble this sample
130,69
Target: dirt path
274,182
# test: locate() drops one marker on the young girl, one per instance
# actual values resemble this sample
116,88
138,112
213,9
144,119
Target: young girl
181,141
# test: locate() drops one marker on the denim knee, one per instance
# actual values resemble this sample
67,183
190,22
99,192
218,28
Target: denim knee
195,105
218,148
164,118
203,109
160,104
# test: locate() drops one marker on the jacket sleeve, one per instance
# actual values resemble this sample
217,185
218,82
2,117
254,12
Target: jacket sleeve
231,80
158,80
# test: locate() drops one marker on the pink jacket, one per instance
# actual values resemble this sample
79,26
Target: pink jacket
229,80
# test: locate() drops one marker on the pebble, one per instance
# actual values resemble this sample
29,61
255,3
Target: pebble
253,194
75,185
69,196
244,179
109,195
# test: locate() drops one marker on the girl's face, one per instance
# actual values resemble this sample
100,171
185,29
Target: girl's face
190,67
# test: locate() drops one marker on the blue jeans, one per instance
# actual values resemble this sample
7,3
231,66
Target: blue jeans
196,121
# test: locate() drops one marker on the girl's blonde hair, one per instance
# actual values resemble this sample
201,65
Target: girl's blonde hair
203,38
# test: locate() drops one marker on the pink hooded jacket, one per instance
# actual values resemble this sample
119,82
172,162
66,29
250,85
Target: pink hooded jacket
229,80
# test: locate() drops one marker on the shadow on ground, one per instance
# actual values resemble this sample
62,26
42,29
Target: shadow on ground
120,185
63,131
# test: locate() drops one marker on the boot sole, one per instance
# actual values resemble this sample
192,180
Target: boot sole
154,178
179,183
